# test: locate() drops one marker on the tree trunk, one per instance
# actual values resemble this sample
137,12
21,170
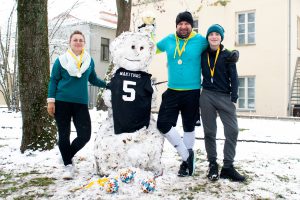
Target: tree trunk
39,130
124,16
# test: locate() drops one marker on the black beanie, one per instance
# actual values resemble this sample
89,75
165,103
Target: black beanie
185,16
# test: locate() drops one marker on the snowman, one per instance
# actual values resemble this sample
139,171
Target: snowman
128,137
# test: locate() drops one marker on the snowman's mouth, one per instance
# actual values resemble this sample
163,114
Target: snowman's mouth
131,60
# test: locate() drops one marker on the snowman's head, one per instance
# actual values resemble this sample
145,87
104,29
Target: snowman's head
132,51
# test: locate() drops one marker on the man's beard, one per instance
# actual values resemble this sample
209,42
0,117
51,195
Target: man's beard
183,36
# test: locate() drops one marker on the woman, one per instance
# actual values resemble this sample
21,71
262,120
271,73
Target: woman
220,86
68,98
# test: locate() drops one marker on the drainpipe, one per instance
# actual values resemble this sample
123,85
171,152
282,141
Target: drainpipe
289,58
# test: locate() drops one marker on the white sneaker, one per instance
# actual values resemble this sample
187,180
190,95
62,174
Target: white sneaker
69,172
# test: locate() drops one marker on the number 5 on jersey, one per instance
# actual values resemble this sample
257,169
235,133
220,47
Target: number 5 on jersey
130,91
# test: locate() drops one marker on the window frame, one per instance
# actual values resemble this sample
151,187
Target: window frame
196,25
105,50
246,93
246,26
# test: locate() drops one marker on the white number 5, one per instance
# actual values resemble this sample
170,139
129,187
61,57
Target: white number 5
131,91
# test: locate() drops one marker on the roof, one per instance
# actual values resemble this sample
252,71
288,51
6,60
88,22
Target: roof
102,18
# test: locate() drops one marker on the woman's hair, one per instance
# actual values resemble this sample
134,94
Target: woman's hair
76,32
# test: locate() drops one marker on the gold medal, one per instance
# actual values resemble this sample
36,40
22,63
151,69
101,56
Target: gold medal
78,74
212,70
182,49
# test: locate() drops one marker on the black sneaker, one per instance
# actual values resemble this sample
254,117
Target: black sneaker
213,171
191,162
198,123
231,174
183,169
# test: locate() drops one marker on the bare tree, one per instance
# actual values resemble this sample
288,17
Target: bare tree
58,46
8,65
39,130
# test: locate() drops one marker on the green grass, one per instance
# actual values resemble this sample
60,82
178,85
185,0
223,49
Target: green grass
280,196
38,182
283,178
243,129
24,174
4,176
9,185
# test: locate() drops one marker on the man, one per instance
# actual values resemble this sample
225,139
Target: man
183,51
220,92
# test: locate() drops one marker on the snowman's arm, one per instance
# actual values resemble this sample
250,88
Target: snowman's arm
154,96
107,98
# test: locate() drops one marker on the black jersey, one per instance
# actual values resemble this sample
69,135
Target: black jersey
131,95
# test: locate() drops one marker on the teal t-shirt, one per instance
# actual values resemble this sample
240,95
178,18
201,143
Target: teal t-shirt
187,75
68,88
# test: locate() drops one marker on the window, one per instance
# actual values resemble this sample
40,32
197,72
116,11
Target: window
196,26
246,93
298,33
246,28
104,49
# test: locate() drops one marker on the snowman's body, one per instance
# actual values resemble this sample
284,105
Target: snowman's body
128,137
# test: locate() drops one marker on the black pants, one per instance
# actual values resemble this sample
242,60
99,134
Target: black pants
173,102
64,111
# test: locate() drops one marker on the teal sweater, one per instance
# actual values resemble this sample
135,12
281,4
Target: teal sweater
186,76
64,87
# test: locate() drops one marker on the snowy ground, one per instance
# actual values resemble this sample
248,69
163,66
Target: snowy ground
272,169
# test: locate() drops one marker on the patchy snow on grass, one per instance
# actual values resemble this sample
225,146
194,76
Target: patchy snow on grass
272,169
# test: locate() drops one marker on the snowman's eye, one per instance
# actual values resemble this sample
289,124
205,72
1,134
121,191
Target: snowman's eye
132,47
141,48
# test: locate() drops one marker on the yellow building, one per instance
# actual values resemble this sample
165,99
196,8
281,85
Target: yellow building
267,35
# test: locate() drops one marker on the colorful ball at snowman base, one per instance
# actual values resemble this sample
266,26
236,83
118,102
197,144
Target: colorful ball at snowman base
148,185
127,175
111,186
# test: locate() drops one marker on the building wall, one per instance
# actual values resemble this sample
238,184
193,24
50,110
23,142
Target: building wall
294,15
267,60
96,32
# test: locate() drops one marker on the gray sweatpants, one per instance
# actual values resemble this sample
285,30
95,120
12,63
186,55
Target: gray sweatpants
212,103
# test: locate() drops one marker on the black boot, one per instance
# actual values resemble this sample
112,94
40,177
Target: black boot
191,162
188,165
183,169
231,174
213,171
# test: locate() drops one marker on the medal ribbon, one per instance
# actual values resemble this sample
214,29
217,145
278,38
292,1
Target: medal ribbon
212,70
177,49
78,62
